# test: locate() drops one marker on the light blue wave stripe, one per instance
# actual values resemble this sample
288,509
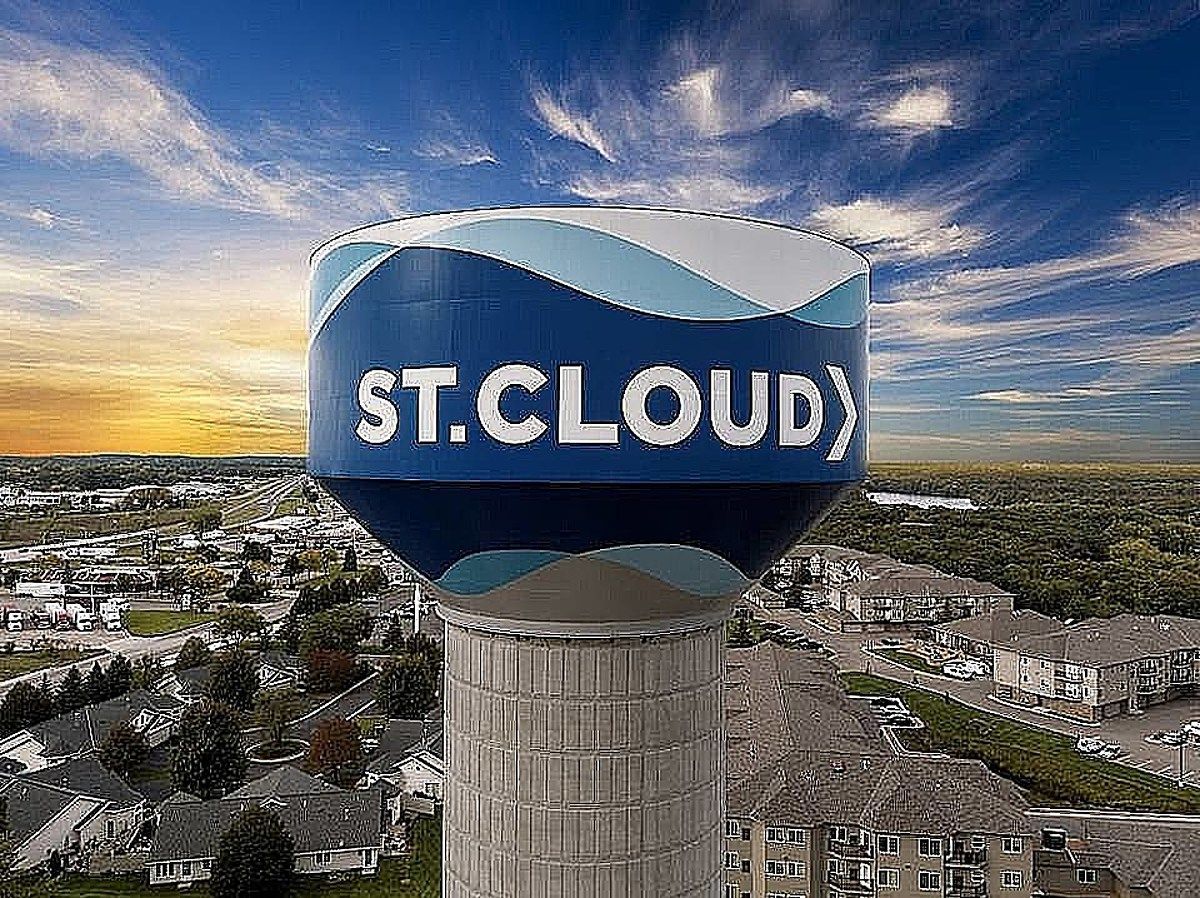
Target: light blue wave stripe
485,571
696,571
336,267
843,306
613,269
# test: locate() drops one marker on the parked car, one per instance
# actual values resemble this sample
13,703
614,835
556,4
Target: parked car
891,642
1192,728
960,670
1110,751
1089,745
1166,738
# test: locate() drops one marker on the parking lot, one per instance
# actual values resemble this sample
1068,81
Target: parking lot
860,652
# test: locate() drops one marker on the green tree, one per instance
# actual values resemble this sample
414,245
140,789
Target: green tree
240,623
373,581
256,551
342,628
335,748
407,687
96,685
208,759
118,675
24,705
329,671
292,567
350,561
233,679
124,749
205,518
246,589
147,671
72,692
256,856
194,653
274,710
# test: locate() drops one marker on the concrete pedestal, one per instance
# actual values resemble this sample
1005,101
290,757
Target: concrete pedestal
588,763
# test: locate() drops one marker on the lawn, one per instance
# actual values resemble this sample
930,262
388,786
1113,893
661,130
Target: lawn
908,659
157,622
416,876
15,664
1044,763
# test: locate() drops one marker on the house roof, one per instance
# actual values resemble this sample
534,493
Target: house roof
1159,853
87,727
319,817
779,699
1002,627
917,580
87,776
30,805
935,796
1098,642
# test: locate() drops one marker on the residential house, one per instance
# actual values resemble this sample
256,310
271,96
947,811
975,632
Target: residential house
74,808
410,760
979,635
335,830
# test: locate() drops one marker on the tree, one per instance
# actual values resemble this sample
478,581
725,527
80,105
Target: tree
194,653
329,671
255,856
147,671
407,687
350,562
336,749
205,518
256,551
72,692
292,567
274,710
240,623
208,759
342,629
119,676
96,685
25,705
373,581
202,581
124,749
233,679
246,589
311,560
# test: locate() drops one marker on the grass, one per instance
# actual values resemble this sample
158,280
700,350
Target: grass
157,622
16,664
1044,763
416,876
909,659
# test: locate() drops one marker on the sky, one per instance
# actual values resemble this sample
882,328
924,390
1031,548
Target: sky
1023,176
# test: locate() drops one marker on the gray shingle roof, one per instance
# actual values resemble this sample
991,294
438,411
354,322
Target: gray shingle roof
87,776
1126,637
30,805
1002,627
323,818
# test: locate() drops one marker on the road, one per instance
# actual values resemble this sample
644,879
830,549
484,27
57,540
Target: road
265,497
852,652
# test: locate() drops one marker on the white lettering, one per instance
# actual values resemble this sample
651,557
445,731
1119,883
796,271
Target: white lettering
374,402
427,382
721,413
487,404
637,417
572,429
791,433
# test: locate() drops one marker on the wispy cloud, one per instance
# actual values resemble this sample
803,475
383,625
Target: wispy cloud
894,230
59,101
916,111
574,126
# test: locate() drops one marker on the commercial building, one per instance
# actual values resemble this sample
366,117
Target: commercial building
1102,667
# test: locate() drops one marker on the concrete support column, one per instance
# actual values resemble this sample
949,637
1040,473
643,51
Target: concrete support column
585,765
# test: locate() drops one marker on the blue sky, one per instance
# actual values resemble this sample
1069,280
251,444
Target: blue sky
1025,182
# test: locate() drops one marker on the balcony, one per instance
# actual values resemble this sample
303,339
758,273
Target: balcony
966,890
850,884
847,849
961,856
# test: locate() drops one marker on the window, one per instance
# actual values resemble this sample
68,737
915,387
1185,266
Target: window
929,847
889,878
110,827
1087,877
733,829
929,881
732,861
323,858
1011,879
888,844
776,868
732,890
187,868
786,835
1010,845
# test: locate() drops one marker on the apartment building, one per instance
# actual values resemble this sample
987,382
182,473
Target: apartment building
820,806
1099,668
1111,854
980,635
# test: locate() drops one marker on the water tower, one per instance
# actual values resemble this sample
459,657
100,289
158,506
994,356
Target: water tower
590,429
